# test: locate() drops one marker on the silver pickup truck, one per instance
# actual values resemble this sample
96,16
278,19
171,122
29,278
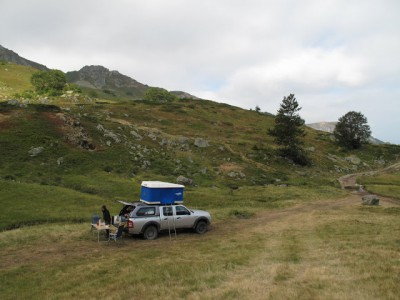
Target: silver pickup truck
149,220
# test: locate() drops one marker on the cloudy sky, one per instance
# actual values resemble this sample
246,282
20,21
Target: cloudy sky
334,55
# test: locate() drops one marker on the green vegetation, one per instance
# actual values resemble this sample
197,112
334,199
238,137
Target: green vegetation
352,130
49,82
350,251
158,95
14,79
288,131
62,157
385,184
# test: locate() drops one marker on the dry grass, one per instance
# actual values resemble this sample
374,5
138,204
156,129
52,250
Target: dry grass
332,249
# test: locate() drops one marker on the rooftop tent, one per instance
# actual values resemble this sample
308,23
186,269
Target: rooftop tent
158,192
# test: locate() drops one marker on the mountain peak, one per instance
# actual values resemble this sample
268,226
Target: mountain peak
11,56
100,77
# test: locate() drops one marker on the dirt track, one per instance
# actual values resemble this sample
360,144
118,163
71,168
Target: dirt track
88,247
350,181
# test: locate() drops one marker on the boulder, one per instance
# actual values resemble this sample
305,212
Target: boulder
184,180
353,160
60,161
136,135
370,200
201,143
36,151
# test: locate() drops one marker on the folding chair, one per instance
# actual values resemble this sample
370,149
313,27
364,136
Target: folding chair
118,234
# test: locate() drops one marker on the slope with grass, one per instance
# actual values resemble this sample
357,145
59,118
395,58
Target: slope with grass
279,230
102,150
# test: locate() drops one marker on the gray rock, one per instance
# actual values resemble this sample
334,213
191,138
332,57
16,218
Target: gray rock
136,135
100,127
13,102
370,200
184,180
239,174
310,149
110,134
152,136
353,160
182,140
201,143
146,164
36,151
60,161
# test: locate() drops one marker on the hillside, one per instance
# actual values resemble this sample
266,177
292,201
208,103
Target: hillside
279,231
206,142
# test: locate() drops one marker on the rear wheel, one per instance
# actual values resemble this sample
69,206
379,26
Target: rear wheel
201,227
150,233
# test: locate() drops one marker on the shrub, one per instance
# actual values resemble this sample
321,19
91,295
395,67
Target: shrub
156,94
49,82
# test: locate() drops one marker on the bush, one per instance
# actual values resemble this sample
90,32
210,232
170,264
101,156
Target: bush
156,94
49,82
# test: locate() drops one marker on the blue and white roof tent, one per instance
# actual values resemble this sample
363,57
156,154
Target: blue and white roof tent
158,192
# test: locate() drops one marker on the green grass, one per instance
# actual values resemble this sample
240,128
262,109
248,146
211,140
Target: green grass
30,204
14,79
271,235
382,184
319,253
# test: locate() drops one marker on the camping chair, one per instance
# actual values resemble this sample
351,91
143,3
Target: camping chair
117,234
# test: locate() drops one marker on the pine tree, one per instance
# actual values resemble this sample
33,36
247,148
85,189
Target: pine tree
288,131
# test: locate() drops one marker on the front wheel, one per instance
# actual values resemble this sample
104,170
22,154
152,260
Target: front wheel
201,227
150,233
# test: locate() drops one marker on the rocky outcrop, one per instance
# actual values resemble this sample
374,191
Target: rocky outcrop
99,77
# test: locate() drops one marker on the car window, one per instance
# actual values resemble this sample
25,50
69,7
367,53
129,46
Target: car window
146,211
167,211
181,210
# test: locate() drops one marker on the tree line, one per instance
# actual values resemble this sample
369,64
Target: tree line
351,131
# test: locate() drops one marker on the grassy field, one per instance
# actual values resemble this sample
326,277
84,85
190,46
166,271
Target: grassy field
321,249
384,184
280,231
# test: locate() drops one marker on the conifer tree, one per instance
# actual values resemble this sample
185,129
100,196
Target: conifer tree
288,131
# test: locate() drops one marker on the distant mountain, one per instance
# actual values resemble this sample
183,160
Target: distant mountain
111,82
330,127
11,56
323,126
183,95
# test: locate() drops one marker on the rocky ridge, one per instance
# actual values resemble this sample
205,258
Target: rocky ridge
11,56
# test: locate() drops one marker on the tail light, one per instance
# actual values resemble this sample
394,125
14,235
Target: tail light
130,224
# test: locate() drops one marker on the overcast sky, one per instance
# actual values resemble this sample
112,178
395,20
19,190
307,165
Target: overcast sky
334,55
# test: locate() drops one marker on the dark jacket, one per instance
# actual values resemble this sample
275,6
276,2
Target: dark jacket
106,216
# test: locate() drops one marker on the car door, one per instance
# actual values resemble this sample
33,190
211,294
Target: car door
183,217
167,219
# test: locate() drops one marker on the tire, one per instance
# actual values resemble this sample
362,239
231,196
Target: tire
201,227
150,233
